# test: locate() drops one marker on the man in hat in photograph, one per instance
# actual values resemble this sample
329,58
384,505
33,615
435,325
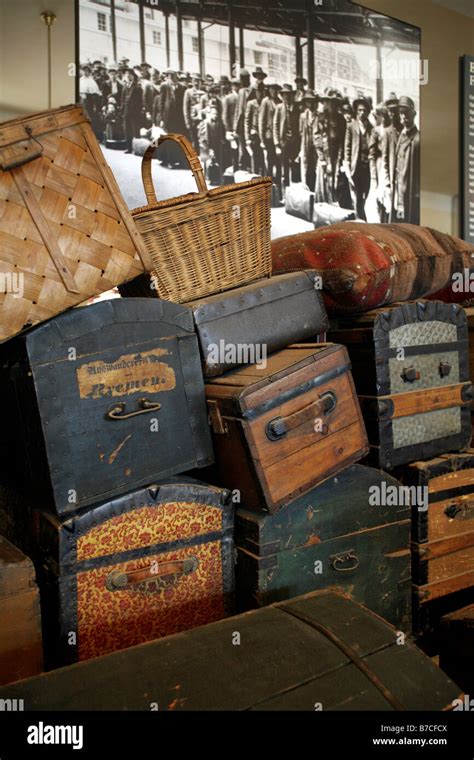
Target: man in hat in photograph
389,147
336,130
252,134
149,93
308,132
283,137
132,100
259,74
113,86
171,112
378,179
266,117
229,104
239,118
192,108
406,190
300,84
356,156
225,86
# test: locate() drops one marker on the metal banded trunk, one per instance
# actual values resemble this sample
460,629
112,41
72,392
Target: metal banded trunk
341,535
411,370
442,529
281,429
316,652
147,564
101,400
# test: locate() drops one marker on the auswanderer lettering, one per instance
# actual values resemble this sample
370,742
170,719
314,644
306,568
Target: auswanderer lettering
46,734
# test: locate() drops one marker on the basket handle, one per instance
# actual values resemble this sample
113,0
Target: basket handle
192,159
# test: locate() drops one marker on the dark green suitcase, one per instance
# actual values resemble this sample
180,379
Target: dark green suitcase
331,537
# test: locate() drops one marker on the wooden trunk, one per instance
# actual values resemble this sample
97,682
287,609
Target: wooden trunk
337,536
411,372
148,564
101,400
316,652
21,652
66,233
442,492
281,429
456,655
237,326
470,323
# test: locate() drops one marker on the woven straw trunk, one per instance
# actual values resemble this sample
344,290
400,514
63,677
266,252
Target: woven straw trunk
65,231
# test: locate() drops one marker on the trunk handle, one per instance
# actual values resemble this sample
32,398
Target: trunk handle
278,427
151,578
117,411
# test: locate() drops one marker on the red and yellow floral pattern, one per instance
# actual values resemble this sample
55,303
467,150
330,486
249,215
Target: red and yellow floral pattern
149,525
111,620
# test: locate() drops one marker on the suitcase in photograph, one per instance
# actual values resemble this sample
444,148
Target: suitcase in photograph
299,201
103,399
66,233
456,654
244,325
443,526
21,650
317,652
153,562
410,365
342,535
281,429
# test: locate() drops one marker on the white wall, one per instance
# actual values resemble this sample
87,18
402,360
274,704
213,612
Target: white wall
23,55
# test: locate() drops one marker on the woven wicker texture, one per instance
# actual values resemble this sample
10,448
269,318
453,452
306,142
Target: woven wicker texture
65,231
206,242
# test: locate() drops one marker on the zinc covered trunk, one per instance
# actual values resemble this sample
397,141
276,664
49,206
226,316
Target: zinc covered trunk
244,325
153,562
345,534
281,428
316,652
410,365
103,399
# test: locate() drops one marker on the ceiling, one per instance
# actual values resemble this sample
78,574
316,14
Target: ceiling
466,7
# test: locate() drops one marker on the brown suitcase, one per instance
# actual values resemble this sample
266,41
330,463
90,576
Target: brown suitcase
21,653
280,430
66,233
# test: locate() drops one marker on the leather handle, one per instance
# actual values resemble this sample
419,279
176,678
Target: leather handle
117,411
151,578
280,426
191,157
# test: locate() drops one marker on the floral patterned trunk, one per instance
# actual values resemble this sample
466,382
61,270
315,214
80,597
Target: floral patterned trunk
149,564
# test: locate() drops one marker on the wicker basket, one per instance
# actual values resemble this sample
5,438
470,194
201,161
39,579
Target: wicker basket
65,231
205,242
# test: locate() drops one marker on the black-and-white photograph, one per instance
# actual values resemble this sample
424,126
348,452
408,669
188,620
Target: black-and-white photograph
322,97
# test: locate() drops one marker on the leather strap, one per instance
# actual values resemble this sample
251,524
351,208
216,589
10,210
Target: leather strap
351,654
50,242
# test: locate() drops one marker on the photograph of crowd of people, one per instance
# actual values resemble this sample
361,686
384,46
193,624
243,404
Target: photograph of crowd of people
332,154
